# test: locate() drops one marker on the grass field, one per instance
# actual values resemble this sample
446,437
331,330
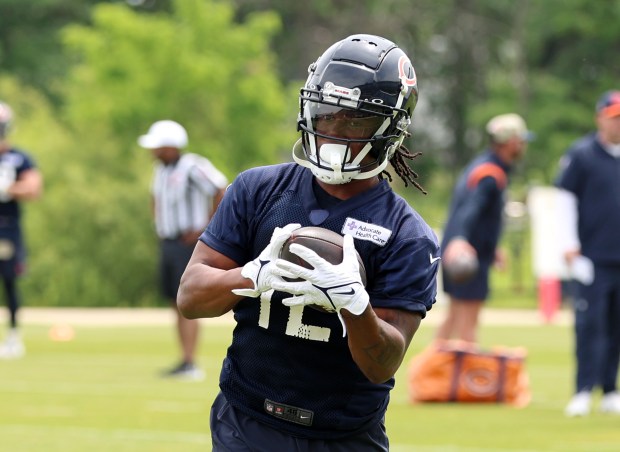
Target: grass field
101,392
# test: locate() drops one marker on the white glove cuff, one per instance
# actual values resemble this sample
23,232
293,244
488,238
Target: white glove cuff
358,305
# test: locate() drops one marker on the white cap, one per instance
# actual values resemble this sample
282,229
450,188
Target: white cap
504,127
164,133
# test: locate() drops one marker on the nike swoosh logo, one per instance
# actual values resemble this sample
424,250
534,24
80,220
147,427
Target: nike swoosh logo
433,259
350,292
262,265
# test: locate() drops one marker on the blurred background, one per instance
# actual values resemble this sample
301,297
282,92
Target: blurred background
86,77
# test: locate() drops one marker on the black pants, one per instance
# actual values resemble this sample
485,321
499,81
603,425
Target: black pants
233,431
174,256
597,330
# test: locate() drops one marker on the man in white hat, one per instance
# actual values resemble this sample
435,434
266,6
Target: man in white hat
186,190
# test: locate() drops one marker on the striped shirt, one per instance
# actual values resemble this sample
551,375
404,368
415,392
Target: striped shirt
183,195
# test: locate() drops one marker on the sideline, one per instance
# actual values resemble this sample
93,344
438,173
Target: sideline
111,317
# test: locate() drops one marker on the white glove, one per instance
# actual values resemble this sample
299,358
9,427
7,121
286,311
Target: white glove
582,269
333,287
261,269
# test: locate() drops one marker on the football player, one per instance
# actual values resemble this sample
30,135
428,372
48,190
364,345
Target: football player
474,225
20,180
296,378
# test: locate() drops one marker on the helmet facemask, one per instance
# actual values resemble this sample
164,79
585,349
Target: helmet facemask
335,119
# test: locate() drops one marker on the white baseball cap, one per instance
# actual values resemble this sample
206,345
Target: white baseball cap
502,128
164,133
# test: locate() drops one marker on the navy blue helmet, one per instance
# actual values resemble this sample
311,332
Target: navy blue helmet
367,84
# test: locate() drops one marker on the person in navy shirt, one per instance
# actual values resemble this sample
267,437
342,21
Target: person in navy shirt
589,212
474,225
20,180
294,377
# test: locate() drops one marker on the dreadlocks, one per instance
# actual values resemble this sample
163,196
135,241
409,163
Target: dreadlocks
401,167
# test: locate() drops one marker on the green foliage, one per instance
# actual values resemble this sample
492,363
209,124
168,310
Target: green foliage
91,237
196,66
230,71
78,254
570,67
29,44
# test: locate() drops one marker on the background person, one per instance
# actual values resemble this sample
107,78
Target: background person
291,380
474,224
20,180
186,191
590,214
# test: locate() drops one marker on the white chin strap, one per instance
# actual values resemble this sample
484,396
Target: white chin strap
332,156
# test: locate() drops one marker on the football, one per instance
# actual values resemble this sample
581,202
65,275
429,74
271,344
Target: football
325,243
462,268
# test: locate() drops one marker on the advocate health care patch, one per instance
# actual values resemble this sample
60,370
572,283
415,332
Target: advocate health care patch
366,231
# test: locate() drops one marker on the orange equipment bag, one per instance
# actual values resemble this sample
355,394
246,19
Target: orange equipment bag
454,371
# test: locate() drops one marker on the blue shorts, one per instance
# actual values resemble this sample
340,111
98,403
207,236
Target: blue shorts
233,431
475,289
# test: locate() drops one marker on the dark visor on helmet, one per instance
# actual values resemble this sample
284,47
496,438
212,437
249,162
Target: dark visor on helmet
334,121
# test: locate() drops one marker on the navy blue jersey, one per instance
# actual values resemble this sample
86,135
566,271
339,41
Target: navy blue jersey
296,356
477,204
12,164
593,176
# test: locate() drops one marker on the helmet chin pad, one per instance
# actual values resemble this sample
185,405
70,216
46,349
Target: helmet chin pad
328,173
334,155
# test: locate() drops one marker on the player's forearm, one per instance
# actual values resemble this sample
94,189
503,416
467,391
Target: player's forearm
377,347
28,188
206,291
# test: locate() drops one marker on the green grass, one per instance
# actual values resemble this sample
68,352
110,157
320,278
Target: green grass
100,392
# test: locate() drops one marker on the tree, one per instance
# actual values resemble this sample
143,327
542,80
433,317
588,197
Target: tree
29,45
231,74
130,68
